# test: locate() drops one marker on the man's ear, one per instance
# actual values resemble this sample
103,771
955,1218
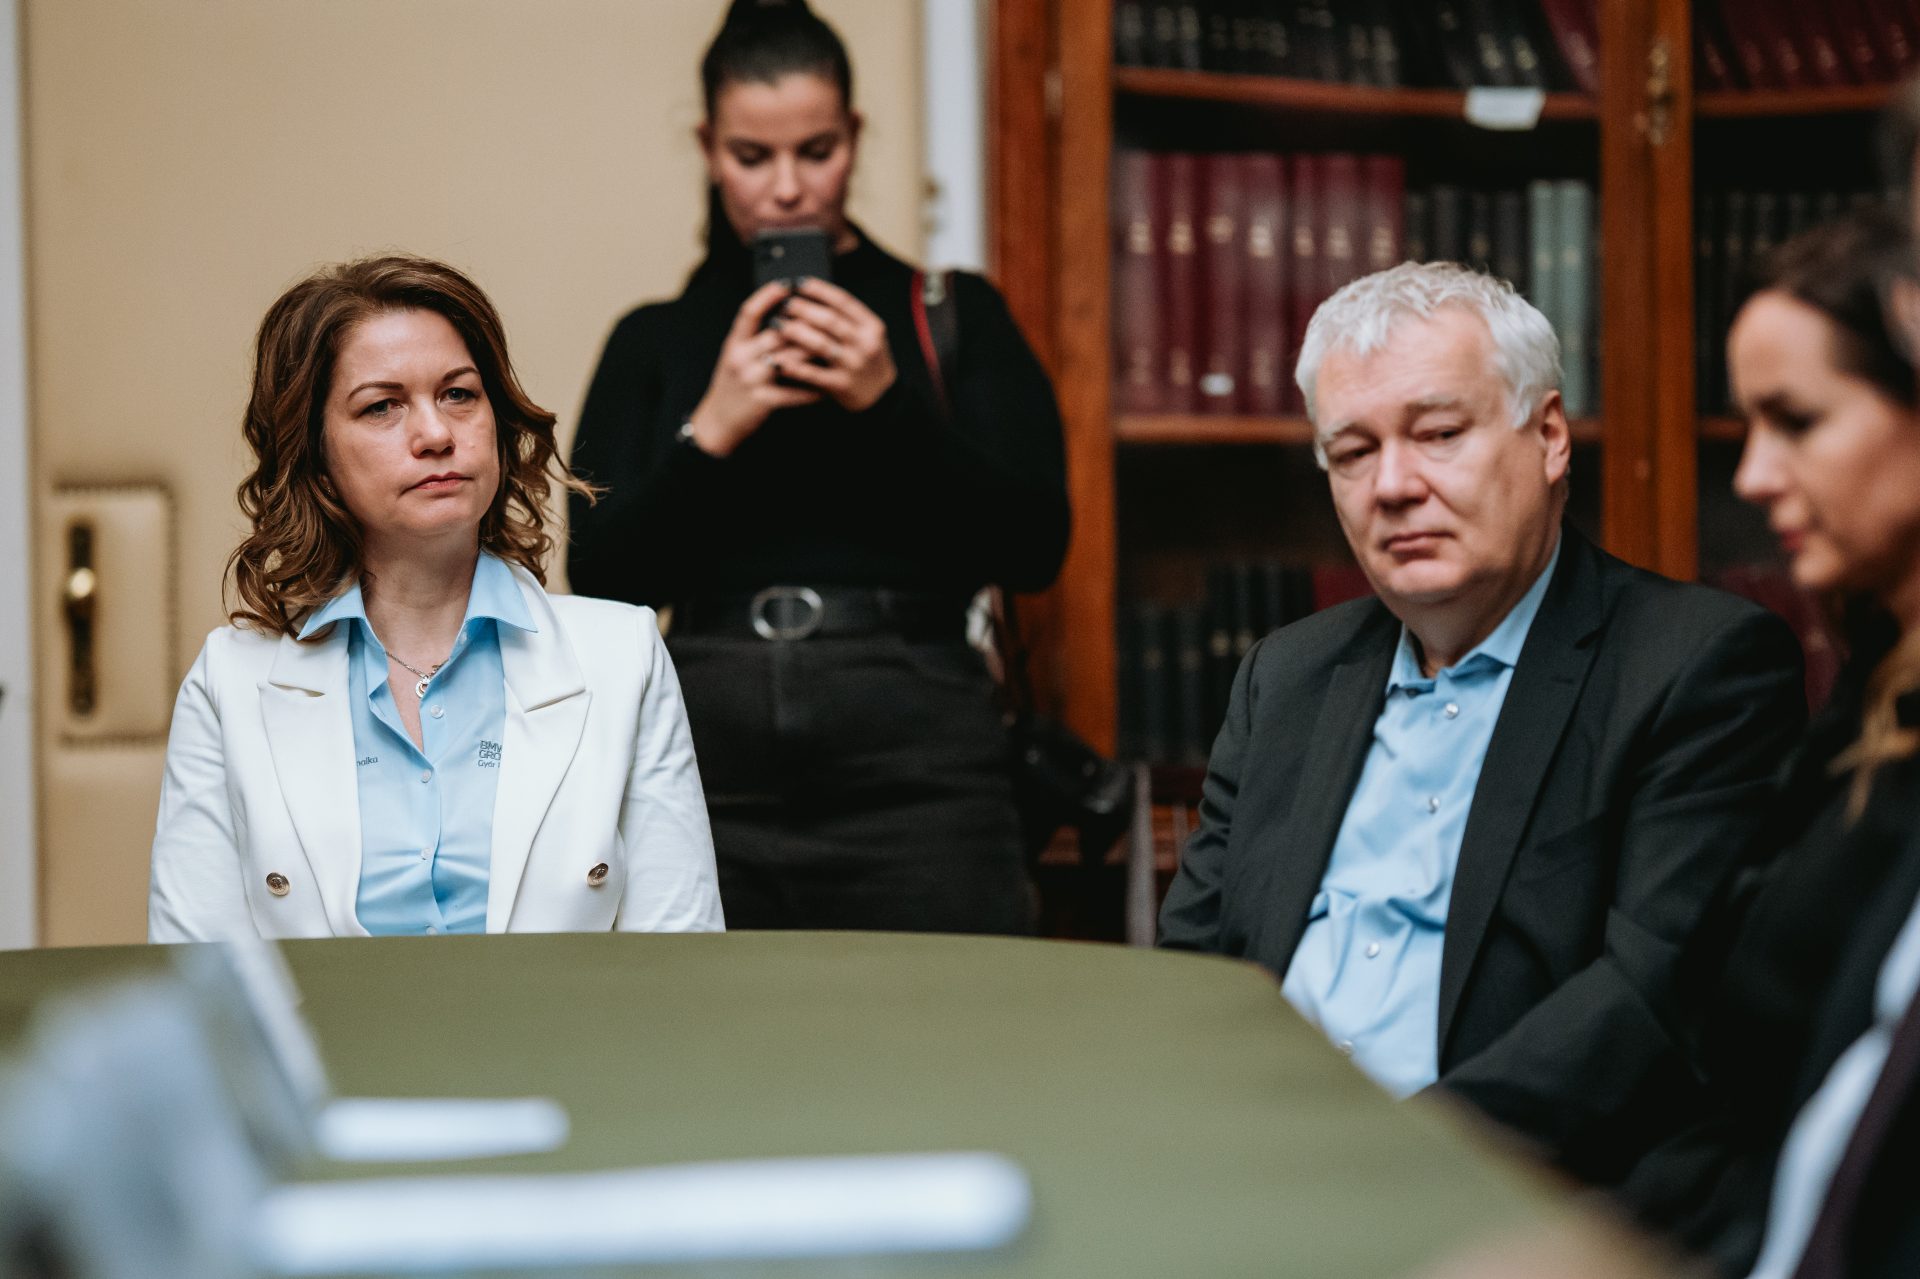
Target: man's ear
1556,437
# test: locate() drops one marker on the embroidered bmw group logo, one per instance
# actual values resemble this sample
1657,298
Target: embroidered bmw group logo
489,754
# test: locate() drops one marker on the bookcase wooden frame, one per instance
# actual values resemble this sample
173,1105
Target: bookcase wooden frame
1054,88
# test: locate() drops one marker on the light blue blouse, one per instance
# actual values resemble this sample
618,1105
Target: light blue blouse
426,815
1367,970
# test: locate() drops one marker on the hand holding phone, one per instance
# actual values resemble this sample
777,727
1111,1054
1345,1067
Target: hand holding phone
849,356
746,386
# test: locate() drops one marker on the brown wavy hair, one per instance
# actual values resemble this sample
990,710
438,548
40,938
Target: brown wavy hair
305,545
1849,270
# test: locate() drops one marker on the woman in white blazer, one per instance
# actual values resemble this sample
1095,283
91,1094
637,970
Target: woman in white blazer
402,732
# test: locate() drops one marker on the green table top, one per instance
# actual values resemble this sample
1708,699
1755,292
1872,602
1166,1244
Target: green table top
1175,1115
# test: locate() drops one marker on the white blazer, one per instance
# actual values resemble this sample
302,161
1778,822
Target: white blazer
259,828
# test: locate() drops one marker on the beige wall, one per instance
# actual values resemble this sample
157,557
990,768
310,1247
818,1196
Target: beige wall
186,161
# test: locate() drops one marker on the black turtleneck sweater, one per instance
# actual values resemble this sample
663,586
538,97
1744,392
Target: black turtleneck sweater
905,495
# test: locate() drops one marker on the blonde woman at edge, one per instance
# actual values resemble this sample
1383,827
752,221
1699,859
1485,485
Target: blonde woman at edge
403,733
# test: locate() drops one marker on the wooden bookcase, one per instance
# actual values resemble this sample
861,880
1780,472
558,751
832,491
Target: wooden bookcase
1055,95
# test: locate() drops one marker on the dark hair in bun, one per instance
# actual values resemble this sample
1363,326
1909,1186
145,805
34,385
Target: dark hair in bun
762,40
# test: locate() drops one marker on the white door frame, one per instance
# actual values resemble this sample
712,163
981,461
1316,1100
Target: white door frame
19,849
953,93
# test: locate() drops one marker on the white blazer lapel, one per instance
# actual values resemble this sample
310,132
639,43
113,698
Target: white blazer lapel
303,704
547,701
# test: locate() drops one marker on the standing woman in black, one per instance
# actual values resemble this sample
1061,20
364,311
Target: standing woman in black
818,514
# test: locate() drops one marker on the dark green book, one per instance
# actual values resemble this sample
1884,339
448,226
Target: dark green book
1194,726
1510,248
1417,227
1575,294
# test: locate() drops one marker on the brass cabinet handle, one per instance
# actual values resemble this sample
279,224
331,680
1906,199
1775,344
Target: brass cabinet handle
1656,121
80,597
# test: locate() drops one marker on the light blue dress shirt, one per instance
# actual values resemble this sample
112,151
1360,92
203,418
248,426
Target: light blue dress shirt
1826,1123
426,815
1367,970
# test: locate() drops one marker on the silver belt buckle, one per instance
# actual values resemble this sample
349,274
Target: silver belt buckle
766,628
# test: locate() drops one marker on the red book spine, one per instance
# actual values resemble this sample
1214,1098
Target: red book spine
1223,331
1770,587
1343,246
1892,33
1819,41
1136,317
1268,376
1750,49
1712,64
1384,185
1307,228
1180,281
1579,42
1856,41
1338,583
1782,39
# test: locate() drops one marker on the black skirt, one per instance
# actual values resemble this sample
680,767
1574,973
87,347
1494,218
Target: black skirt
857,783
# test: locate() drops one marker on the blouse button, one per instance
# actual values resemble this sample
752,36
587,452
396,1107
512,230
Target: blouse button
436,711
277,884
597,876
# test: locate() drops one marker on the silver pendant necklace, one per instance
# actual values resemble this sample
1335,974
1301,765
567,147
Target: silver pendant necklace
420,689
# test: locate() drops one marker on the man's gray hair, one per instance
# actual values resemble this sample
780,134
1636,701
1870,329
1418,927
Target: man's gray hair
1361,317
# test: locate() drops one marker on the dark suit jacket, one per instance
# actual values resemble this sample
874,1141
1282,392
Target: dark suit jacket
1885,1240
1778,986
1640,732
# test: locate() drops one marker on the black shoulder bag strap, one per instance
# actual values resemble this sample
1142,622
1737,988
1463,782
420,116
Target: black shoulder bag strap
936,321
1058,779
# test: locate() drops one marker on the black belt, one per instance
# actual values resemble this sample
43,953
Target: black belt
803,612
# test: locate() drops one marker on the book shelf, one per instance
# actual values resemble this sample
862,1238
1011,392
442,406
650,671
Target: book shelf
1222,428
1766,104
1156,493
1315,97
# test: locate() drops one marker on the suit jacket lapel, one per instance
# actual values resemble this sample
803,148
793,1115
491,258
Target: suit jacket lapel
309,727
1336,752
547,701
1540,699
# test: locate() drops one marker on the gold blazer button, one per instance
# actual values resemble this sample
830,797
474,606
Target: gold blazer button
597,876
277,884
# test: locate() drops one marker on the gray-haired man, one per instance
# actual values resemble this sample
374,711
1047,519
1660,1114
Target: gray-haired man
1472,822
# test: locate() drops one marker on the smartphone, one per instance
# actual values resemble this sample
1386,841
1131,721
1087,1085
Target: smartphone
796,254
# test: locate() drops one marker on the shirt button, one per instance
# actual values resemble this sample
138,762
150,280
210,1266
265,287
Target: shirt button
1433,802
1453,709
426,854
1346,1046
1373,950
432,931
426,774
436,711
